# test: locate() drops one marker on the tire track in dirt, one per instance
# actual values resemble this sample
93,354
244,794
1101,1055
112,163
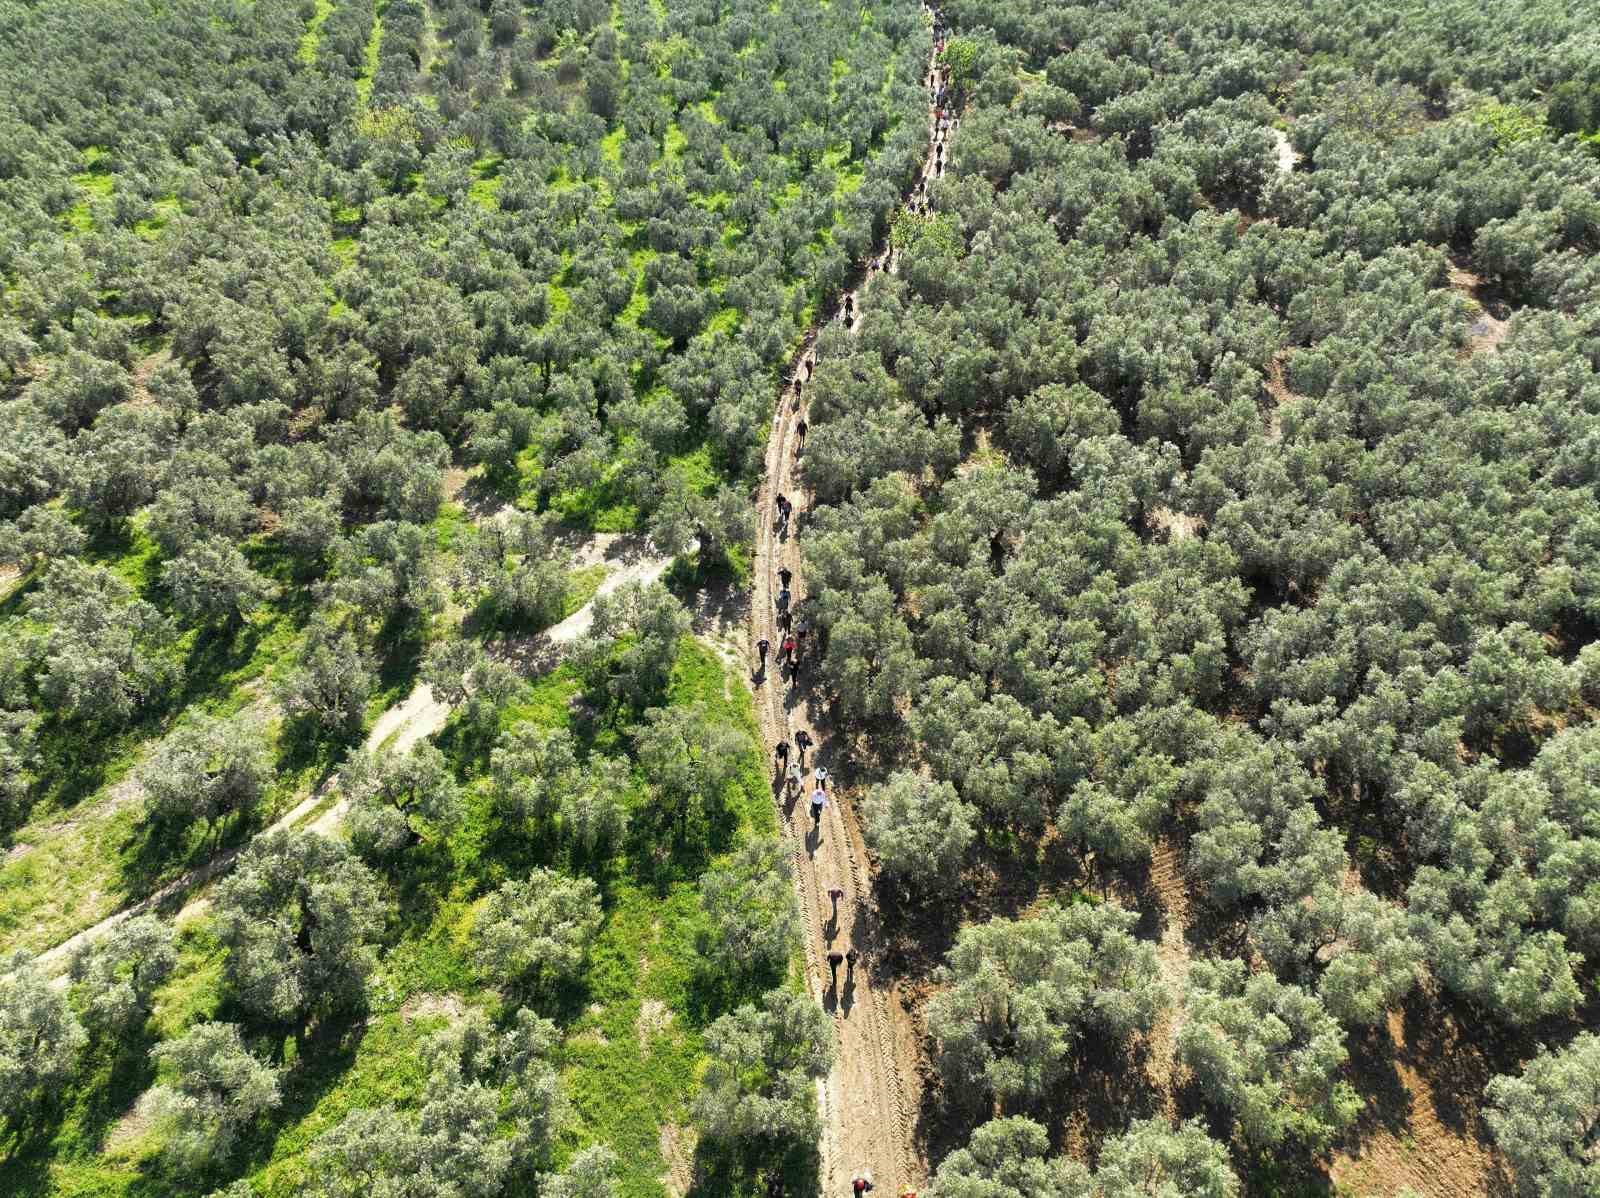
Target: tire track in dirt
867,1100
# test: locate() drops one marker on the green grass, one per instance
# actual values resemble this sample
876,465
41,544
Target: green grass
632,1047
96,185
313,33
581,587
369,62
485,187
165,209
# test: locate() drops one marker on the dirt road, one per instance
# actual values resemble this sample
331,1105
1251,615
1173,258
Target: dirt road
869,1100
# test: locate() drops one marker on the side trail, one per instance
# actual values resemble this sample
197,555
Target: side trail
418,716
870,1098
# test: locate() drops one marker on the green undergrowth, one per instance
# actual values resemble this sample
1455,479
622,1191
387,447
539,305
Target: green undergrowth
632,1045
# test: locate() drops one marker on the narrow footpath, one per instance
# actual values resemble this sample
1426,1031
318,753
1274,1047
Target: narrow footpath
870,1099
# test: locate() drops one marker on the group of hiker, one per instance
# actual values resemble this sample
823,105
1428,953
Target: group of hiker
794,632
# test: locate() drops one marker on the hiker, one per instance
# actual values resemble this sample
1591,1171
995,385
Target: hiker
834,958
784,576
786,653
791,779
850,959
800,432
835,893
860,1185
761,647
785,620
821,775
783,599
819,800
808,370
781,752
802,741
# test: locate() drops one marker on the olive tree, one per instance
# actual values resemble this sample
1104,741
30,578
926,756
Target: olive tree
1544,1120
758,1088
1022,994
332,680
207,769
590,1174
398,800
536,776
481,1084
1153,1159
103,652
537,929
39,1038
214,1088
1268,1052
750,901
114,979
632,642
298,916
919,830
1010,1158
212,584
689,757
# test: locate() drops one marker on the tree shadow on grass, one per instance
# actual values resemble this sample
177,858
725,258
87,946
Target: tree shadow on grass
662,848
713,991
723,1170
156,852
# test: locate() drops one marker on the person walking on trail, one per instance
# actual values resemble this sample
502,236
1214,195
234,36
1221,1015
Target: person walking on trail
786,620
850,959
861,1184
792,779
802,741
835,959
819,800
787,652
835,893
785,575
761,648
783,599
781,752
800,435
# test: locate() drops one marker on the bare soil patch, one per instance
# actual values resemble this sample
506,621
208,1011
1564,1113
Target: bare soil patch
654,1018
1423,1080
1493,321
425,1006
677,1146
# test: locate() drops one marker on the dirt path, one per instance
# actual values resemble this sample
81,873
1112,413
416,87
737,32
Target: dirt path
1172,953
415,718
868,1101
